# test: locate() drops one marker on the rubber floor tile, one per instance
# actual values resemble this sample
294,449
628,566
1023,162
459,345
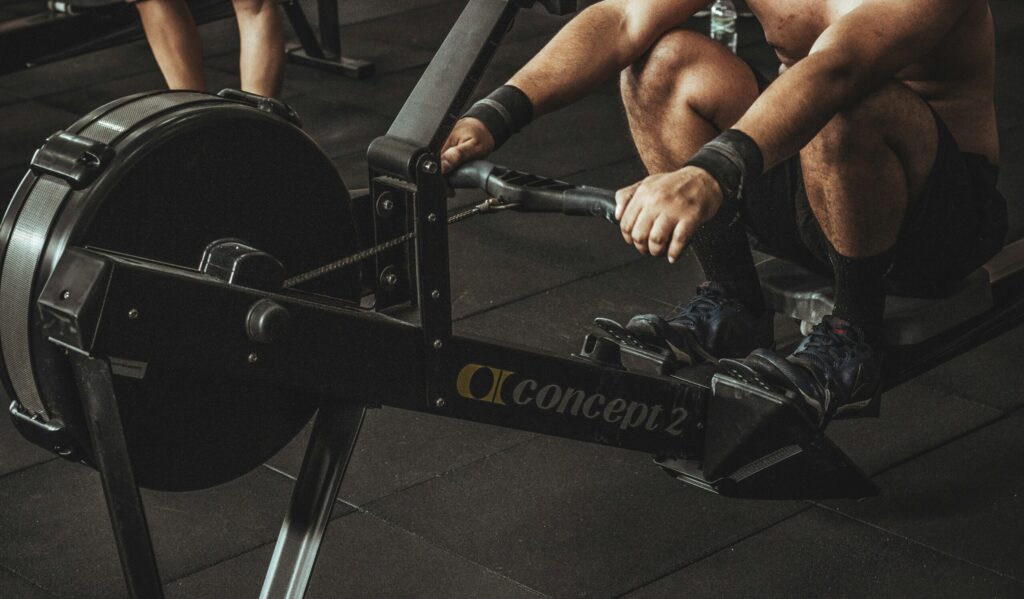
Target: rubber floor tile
383,93
54,528
15,452
964,499
80,71
361,557
990,374
574,519
15,587
338,130
507,256
81,101
915,417
400,448
557,320
820,554
24,127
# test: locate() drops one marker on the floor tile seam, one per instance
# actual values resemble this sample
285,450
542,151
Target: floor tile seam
918,543
227,558
366,506
971,431
362,508
30,466
504,304
35,584
958,394
711,553
430,542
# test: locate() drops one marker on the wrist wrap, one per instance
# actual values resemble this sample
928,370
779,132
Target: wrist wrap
506,111
733,159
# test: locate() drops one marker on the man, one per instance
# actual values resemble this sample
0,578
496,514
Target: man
872,158
174,39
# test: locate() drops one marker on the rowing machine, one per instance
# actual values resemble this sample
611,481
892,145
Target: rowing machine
172,314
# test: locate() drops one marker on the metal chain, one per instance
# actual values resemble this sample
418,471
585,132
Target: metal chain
489,205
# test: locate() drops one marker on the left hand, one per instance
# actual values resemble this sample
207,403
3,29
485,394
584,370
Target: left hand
664,210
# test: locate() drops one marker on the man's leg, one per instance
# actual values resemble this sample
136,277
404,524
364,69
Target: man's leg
175,42
681,95
262,46
862,173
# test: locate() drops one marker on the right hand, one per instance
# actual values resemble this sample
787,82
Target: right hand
468,140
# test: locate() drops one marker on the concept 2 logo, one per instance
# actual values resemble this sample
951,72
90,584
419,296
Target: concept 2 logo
507,388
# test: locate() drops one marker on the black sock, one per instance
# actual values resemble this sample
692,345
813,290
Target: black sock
722,247
860,289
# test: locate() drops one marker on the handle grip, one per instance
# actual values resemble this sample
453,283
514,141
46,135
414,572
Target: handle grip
531,193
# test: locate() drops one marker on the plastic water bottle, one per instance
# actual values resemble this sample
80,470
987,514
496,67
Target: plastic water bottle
723,23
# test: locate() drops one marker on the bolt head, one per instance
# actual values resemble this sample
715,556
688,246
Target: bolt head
436,294
439,402
431,218
438,344
253,358
429,167
65,294
391,279
133,313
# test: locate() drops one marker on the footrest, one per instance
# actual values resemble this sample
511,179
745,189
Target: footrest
661,359
760,445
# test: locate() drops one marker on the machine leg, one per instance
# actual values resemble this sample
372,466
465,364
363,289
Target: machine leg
127,515
326,53
323,468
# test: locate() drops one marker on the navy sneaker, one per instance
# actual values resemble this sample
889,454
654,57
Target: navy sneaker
834,369
710,327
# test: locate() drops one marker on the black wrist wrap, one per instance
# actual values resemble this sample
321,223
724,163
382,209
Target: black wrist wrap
506,111
733,159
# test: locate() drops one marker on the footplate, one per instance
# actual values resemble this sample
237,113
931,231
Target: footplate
661,360
760,444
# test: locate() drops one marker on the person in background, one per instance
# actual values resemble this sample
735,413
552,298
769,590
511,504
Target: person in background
174,39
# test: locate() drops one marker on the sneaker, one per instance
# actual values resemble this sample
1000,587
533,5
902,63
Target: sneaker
710,327
834,369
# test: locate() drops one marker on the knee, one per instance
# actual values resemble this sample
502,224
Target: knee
882,116
687,68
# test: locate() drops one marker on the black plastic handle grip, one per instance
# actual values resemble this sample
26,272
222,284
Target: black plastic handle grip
531,193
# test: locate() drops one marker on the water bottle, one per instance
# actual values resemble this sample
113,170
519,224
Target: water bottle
723,23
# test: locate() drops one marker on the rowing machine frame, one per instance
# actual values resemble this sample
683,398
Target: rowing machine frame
126,306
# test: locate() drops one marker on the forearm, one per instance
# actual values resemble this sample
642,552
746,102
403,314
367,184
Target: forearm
801,102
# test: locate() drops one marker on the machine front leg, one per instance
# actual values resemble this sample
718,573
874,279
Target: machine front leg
127,516
323,468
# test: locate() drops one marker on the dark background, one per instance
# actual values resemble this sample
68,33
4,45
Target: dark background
439,508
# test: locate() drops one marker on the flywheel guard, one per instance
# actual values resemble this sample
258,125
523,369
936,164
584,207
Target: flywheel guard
159,176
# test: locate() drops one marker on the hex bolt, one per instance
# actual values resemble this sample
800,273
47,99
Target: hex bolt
253,358
431,218
133,314
429,167
391,279
385,204
438,344
436,294
439,402
66,294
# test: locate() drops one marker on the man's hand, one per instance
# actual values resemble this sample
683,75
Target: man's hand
468,140
664,210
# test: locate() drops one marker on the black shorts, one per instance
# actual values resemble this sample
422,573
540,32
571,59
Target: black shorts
958,223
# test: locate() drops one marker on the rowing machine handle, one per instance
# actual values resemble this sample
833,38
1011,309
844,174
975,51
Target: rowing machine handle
530,193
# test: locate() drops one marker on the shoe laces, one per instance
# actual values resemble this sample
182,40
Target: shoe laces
708,300
829,345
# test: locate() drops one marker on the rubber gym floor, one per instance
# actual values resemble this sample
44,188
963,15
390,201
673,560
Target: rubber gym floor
438,508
